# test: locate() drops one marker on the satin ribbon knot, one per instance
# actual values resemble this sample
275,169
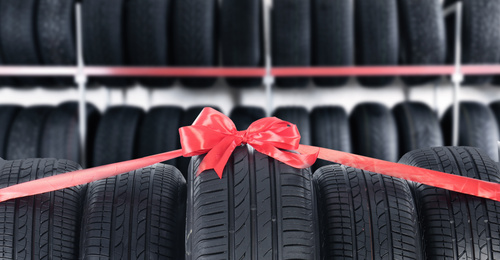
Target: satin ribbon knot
243,136
215,135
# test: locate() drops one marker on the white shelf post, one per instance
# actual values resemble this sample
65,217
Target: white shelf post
268,78
457,77
81,81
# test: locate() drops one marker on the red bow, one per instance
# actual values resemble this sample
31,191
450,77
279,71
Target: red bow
215,133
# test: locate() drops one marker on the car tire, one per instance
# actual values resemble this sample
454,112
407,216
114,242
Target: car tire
265,198
418,127
116,136
136,215
456,225
374,132
44,226
365,215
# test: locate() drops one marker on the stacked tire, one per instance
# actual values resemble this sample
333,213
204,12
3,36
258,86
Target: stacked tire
455,225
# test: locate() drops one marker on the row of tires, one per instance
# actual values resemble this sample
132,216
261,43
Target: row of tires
259,209
190,32
125,132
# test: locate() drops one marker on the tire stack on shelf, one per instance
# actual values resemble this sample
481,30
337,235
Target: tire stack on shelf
260,208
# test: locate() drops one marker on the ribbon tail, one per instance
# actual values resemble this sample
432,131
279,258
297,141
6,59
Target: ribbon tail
465,185
300,161
81,177
217,158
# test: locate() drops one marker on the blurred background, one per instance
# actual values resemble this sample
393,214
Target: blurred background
382,117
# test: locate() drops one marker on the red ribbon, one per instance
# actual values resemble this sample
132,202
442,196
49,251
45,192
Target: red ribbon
215,134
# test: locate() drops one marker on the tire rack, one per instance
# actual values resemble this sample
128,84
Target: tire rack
268,73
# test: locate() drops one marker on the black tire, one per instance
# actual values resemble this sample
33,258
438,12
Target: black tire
241,38
18,39
376,38
478,128
298,116
454,225
480,37
136,215
159,131
422,35
195,37
104,37
365,215
495,108
192,113
189,116
291,38
116,137
55,21
418,127
61,133
243,117
7,115
26,133
374,132
44,226
148,37
330,129
333,37
271,213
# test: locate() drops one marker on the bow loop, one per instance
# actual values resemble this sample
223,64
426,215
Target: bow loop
215,134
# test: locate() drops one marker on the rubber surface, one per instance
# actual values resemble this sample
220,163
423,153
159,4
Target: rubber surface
373,132
330,129
195,37
159,131
365,215
291,38
149,35
495,108
423,36
333,37
18,41
418,127
243,117
457,226
61,134
238,216
193,112
116,137
104,37
26,133
136,215
55,32
480,37
44,226
241,38
377,37
298,116
478,128
7,115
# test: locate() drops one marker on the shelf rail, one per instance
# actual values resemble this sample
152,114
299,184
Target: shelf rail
445,70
